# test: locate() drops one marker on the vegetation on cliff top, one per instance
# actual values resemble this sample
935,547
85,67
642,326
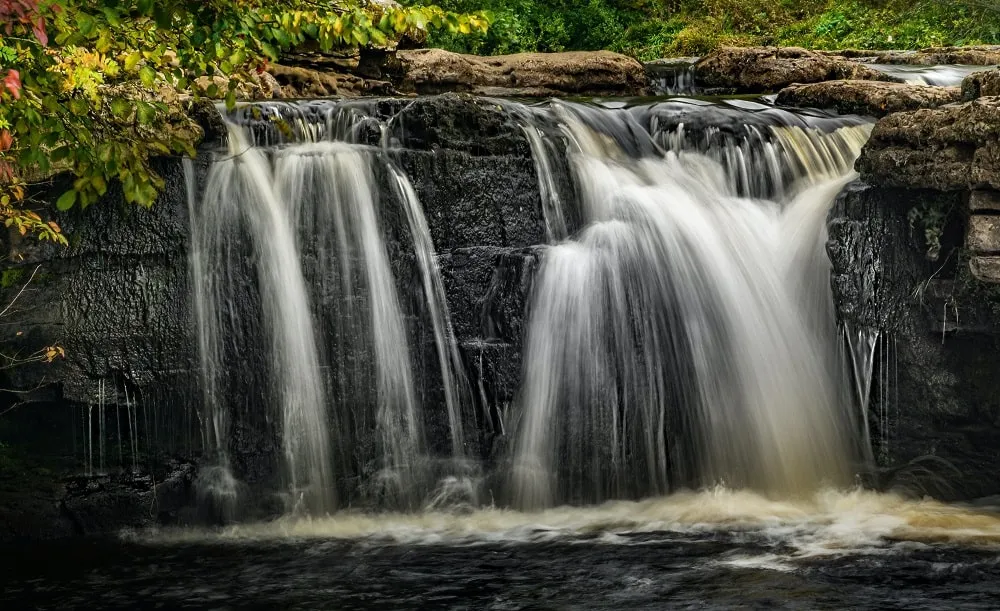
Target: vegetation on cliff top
84,83
648,29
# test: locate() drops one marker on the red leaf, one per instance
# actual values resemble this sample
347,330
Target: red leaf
38,27
13,83
6,140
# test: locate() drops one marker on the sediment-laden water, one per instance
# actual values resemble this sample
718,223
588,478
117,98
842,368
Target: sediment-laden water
718,549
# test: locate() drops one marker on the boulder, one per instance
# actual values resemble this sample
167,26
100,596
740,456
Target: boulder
980,84
985,269
430,71
979,55
953,147
875,98
767,69
983,234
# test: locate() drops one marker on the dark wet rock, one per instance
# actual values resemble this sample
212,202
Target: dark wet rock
596,73
874,98
954,147
934,413
106,504
442,123
769,69
981,84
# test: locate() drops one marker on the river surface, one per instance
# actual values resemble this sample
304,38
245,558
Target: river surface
718,549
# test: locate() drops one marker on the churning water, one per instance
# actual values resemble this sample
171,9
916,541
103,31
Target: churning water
718,549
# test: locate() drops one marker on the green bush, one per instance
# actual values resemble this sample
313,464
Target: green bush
655,28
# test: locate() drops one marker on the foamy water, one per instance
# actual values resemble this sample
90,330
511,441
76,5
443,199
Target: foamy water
829,523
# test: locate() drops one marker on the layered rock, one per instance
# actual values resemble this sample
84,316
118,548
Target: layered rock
954,147
768,69
975,55
599,73
874,98
302,82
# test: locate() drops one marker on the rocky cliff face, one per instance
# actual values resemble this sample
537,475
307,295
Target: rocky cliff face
915,259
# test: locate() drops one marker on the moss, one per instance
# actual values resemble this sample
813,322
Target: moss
11,277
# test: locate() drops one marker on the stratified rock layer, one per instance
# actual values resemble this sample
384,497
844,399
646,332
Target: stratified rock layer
874,98
768,69
430,71
954,147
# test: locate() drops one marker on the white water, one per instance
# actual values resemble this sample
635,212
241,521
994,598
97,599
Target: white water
241,192
826,523
686,336
340,368
452,371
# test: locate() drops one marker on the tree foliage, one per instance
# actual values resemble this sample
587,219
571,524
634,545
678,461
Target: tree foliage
659,28
83,83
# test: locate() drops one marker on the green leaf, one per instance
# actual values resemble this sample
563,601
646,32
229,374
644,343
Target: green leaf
231,99
132,61
60,153
119,107
112,16
270,51
85,23
163,17
66,200
145,112
145,7
99,185
79,106
147,75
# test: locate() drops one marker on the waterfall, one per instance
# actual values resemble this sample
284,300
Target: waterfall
240,192
679,333
685,337
291,257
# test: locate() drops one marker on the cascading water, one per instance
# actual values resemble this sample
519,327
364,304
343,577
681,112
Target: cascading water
340,370
240,193
685,337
